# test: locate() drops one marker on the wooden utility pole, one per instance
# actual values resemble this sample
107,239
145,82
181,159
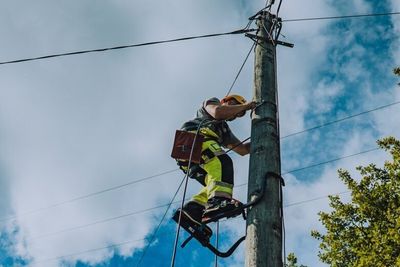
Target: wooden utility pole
264,220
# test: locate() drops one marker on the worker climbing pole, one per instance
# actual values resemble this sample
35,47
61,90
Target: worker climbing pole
198,151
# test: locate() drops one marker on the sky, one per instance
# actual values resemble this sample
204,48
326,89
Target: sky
73,127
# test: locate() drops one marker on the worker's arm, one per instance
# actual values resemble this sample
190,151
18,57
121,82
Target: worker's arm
226,112
242,149
235,144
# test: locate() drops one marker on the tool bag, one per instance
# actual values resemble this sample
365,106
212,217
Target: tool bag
183,146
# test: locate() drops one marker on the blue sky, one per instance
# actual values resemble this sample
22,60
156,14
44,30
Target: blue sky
76,125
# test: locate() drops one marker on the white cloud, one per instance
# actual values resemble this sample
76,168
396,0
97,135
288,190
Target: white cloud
76,125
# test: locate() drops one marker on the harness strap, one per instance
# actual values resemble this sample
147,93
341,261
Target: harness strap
208,154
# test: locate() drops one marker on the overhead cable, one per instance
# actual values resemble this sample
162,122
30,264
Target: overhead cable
172,201
186,179
126,46
170,233
186,38
89,251
321,163
314,199
159,224
82,226
241,68
342,119
88,195
343,17
174,170
330,161
279,8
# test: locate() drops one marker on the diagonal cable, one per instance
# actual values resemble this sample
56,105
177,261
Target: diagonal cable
160,223
143,239
175,202
87,195
170,171
125,46
241,68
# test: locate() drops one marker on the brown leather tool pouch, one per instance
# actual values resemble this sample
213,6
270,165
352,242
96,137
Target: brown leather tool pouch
183,146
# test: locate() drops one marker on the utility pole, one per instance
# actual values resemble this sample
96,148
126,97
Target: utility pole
264,220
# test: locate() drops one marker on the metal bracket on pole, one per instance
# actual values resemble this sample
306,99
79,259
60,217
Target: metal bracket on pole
229,251
215,250
255,38
260,192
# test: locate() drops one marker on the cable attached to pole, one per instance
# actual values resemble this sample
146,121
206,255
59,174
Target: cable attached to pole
127,46
241,68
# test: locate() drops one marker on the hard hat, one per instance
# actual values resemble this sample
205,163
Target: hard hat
240,99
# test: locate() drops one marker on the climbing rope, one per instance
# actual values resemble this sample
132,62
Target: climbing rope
184,195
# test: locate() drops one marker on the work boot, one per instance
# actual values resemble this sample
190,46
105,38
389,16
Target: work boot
191,213
217,205
191,222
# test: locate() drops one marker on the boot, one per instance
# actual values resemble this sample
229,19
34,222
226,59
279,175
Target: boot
217,205
191,221
191,213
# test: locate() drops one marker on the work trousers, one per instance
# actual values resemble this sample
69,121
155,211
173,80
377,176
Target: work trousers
218,182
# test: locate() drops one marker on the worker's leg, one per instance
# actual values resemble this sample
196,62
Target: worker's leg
201,197
219,179
194,209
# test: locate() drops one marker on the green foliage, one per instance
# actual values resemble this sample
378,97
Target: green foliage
365,231
396,71
292,261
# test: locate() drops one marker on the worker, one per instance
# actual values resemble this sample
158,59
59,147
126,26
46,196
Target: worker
215,172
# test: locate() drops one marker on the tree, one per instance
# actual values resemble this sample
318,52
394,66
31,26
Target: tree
365,231
396,71
292,261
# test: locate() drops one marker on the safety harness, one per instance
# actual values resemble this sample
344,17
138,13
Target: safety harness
196,171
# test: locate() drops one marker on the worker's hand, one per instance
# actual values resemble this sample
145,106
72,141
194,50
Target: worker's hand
250,105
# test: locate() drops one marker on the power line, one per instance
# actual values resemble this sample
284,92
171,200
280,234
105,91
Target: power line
170,203
185,38
130,183
170,171
342,119
330,161
322,163
88,195
161,221
241,68
90,250
126,46
98,222
188,38
279,8
343,17
132,241
144,239
314,199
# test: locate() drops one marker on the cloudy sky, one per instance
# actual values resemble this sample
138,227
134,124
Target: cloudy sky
79,133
